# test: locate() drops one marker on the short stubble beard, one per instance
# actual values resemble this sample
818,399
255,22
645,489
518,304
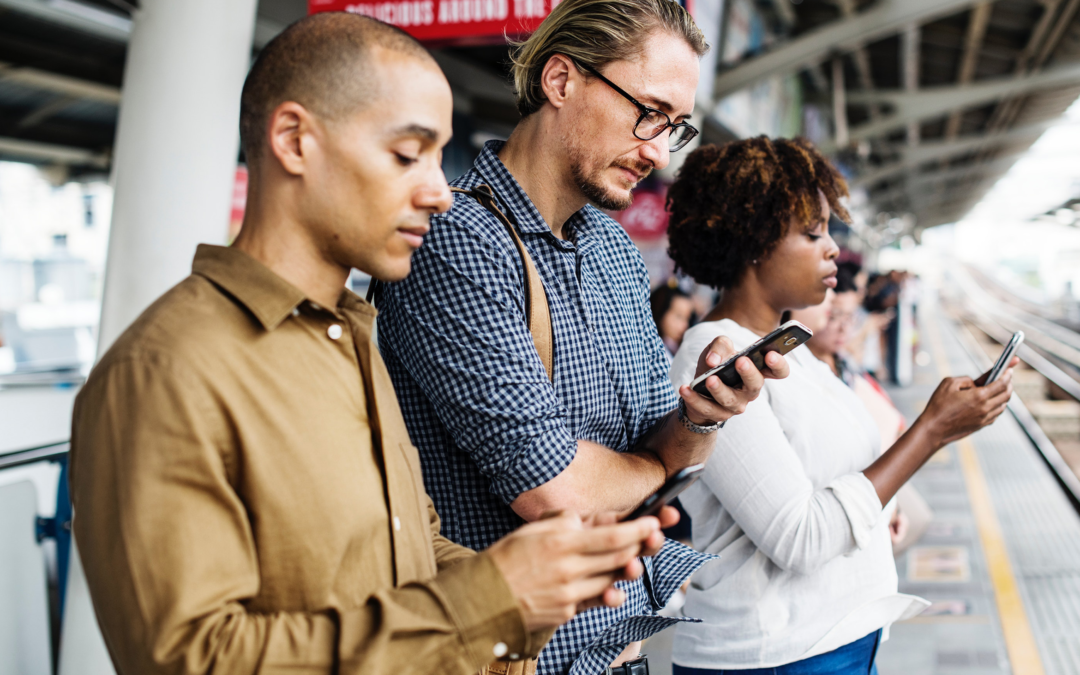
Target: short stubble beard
592,186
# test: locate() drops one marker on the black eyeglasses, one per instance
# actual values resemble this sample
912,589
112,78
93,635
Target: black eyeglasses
652,122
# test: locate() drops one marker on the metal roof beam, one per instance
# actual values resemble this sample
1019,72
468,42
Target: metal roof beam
933,150
44,112
954,172
785,11
860,56
923,198
69,87
885,18
941,150
980,19
932,102
86,18
46,152
104,24
910,43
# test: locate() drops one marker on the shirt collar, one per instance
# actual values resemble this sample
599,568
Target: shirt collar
266,295
527,218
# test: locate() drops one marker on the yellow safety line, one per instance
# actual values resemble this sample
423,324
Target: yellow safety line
1019,640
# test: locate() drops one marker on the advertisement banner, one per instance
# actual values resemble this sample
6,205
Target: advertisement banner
449,21
646,219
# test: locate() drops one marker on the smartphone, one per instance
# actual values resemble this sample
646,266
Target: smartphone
1006,356
782,340
664,496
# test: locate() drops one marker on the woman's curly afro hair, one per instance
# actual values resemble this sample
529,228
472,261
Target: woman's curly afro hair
731,204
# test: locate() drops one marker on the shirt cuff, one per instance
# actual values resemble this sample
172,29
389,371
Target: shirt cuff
544,458
485,611
859,499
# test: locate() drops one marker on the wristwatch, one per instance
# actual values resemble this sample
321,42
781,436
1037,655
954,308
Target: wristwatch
696,428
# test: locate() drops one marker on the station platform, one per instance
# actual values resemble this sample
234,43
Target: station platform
1000,560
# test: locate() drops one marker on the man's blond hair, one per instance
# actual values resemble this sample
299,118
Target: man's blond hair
594,33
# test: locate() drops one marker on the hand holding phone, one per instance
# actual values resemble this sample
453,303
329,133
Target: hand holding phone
782,340
668,492
1006,357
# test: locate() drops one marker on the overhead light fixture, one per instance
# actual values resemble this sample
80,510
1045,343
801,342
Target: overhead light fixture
97,15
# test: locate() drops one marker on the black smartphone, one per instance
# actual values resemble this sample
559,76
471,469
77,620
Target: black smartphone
782,340
664,496
1006,356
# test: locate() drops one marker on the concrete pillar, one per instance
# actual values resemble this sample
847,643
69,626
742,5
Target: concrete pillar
176,147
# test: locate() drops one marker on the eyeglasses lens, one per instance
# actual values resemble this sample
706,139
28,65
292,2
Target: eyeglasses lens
680,136
655,123
652,125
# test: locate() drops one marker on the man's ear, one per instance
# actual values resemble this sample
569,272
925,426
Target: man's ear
558,79
289,127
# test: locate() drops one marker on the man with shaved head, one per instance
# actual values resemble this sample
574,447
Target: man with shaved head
247,498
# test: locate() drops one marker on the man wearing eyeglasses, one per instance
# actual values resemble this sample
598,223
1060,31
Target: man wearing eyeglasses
606,89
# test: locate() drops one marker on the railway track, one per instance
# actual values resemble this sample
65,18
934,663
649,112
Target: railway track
1050,349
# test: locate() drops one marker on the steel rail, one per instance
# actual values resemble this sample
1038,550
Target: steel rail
1049,337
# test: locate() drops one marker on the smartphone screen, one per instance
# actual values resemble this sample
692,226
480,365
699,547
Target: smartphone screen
1006,356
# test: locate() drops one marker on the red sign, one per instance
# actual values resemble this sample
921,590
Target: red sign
239,201
448,20
647,218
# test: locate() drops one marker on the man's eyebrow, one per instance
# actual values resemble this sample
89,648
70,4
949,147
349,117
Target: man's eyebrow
662,105
427,133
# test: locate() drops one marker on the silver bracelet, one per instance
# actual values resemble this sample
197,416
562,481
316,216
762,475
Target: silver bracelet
696,428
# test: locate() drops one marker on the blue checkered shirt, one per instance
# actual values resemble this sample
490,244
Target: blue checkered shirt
479,405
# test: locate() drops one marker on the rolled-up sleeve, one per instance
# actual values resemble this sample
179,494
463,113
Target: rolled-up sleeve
457,324
172,563
758,477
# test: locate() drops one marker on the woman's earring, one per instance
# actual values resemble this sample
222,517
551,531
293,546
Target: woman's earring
753,262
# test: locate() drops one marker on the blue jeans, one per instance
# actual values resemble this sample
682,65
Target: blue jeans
856,658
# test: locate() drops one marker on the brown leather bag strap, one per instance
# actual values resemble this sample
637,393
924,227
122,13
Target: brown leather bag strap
537,311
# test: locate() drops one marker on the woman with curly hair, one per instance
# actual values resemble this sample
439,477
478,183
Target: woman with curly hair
793,496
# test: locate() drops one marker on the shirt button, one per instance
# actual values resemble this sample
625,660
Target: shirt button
397,523
515,657
334,331
499,650
296,311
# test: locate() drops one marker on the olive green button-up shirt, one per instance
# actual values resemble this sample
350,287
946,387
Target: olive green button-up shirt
247,498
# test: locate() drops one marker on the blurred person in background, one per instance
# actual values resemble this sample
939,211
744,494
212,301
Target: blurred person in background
511,425
835,320
882,301
673,312
864,346
246,496
793,499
